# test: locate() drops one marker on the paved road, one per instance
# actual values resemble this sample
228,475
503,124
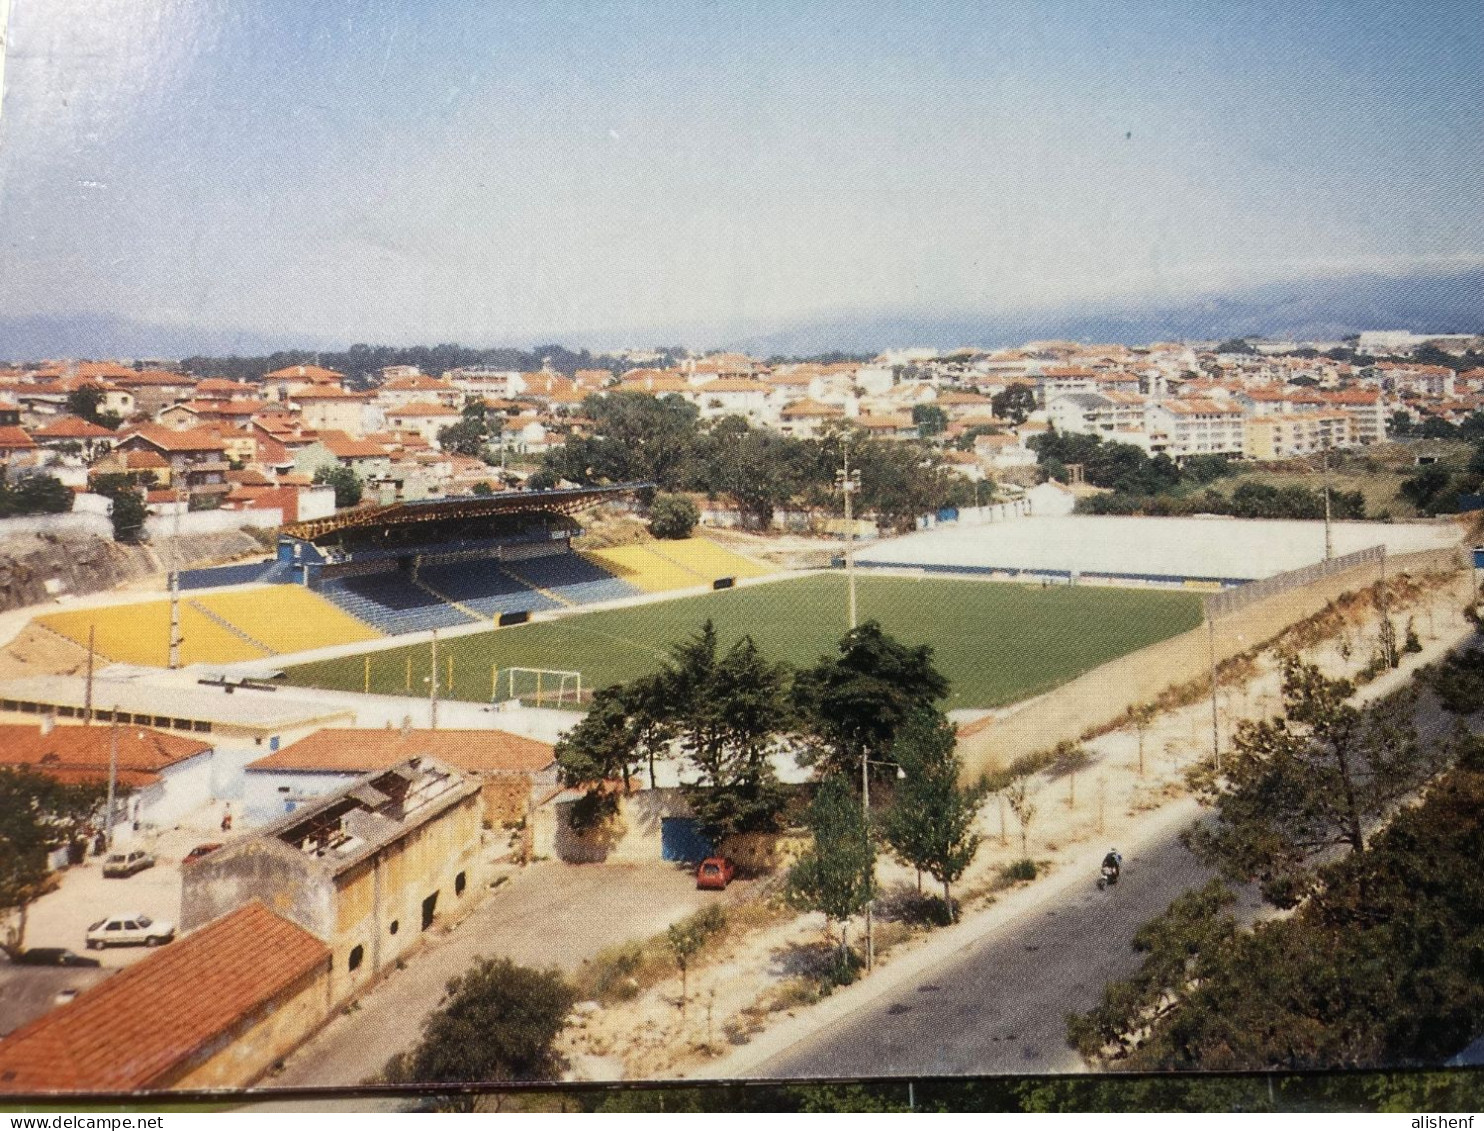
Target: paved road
999,1004
549,914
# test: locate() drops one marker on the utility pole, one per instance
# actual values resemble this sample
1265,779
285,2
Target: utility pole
1387,643
866,832
175,641
1329,542
1215,724
87,695
113,775
433,686
850,482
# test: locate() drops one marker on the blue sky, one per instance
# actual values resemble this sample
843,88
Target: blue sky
498,172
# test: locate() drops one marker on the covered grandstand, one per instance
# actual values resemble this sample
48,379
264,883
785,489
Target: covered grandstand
410,567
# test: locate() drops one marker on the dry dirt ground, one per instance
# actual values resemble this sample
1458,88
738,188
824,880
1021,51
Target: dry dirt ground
764,967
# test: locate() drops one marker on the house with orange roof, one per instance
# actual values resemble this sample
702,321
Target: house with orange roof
337,449
197,458
331,407
153,389
194,413
412,389
367,867
167,775
225,389
72,432
734,396
17,449
508,766
425,418
282,382
215,1009
808,419
144,460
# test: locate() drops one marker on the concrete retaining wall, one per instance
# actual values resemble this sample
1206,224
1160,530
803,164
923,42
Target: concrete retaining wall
1104,694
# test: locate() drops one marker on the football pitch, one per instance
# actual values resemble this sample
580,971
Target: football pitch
995,642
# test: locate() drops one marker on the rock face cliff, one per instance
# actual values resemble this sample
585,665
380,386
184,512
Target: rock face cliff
37,568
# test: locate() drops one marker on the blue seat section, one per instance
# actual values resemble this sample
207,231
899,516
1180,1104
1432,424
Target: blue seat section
575,578
484,587
244,574
390,602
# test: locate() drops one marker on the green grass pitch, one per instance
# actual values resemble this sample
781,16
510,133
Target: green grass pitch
996,643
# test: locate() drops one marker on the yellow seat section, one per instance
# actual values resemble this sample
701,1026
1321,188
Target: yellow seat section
707,558
644,570
288,618
140,634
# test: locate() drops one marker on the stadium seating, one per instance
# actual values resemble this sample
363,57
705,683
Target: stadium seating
392,603
654,567
573,578
140,634
707,558
483,586
288,618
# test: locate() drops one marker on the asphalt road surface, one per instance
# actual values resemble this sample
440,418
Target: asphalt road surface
999,1005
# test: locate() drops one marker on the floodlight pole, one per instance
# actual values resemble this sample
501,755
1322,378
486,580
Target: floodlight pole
849,483
87,706
433,686
1329,542
866,832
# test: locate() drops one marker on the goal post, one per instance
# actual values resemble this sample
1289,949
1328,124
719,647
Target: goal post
543,686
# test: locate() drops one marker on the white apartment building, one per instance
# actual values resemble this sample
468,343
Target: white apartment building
1184,428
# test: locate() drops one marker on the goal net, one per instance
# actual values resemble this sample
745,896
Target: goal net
542,687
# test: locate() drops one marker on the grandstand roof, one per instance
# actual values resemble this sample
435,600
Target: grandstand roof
567,501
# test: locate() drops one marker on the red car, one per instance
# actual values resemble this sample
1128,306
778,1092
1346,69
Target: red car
199,851
714,873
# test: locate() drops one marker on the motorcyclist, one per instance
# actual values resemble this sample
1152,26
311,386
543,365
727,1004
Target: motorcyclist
1113,864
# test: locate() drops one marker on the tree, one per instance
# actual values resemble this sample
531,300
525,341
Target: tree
673,516
1014,403
834,875
931,822
684,939
34,494
626,725
83,402
347,484
728,713
126,490
498,1021
38,815
930,419
858,700
1313,781
1022,803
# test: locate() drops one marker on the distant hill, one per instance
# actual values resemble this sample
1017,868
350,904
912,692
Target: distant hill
108,336
1311,310
1321,309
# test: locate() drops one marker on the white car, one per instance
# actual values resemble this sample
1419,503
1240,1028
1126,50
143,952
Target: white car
129,928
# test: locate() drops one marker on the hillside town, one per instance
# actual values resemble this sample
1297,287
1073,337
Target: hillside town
266,444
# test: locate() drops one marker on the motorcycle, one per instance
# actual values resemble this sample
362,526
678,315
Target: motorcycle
1108,878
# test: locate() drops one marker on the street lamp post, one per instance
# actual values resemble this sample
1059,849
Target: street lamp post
866,764
850,482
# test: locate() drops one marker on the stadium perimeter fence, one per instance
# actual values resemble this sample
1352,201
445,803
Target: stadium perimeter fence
1233,600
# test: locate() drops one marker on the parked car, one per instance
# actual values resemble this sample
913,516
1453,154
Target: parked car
52,956
121,865
129,928
199,851
714,873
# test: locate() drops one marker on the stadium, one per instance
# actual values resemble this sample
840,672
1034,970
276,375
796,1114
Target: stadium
352,602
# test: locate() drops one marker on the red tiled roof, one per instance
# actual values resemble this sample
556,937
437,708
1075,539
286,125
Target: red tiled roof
354,751
305,373
421,409
89,748
185,440
15,439
130,1032
73,428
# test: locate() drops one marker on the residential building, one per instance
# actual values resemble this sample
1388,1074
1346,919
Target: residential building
1296,434
366,869
215,1009
1183,428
